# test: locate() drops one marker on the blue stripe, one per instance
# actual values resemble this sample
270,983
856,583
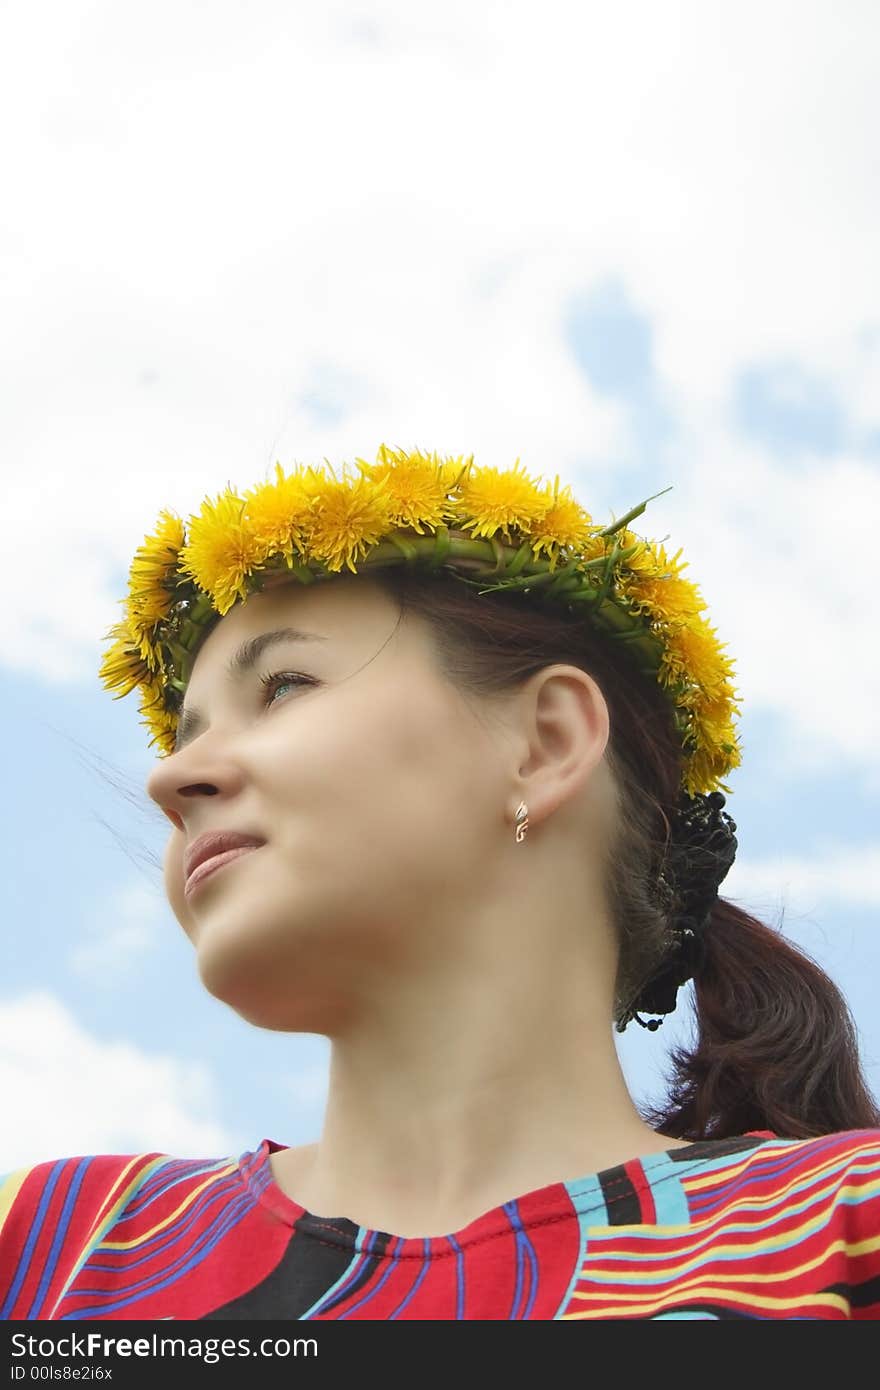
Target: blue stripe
426,1265
705,1247
704,1208
364,1242
159,1241
511,1214
533,1281
192,1258
335,1290
580,1260
163,1181
524,1250
369,1293
777,1156
33,1236
59,1238
670,1203
145,1289
459,1278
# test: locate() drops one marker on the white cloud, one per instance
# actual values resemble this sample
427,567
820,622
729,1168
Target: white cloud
831,876
67,1093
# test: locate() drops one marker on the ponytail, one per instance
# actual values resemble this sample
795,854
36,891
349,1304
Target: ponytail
776,1047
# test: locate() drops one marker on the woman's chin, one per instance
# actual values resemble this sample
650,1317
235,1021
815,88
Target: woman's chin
243,975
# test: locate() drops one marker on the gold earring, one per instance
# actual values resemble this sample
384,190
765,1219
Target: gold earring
522,822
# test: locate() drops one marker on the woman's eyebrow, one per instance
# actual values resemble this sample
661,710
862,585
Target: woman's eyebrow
243,658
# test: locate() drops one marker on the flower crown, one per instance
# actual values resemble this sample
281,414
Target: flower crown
511,531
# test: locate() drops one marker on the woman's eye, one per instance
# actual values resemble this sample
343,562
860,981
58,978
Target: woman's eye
278,680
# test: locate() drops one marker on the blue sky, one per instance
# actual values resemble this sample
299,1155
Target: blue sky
223,291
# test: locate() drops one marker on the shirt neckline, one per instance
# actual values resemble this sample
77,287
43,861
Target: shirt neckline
564,1200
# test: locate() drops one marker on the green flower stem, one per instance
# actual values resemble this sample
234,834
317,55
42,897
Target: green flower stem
201,609
631,515
516,567
282,574
500,553
441,547
609,573
303,574
424,548
180,654
562,577
189,633
621,625
404,545
529,581
519,559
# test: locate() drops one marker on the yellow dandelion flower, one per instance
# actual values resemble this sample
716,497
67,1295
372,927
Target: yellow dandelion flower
704,768
650,558
152,695
692,650
122,666
455,468
164,731
163,740
595,546
161,722
417,485
349,516
710,722
664,597
222,549
722,694
652,584
151,587
493,500
643,557
278,515
564,526
143,637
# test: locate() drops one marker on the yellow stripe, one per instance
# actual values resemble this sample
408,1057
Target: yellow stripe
779,1195
707,1292
107,1215
10,1190
108,1202
699,1182
671,1271
709,1225
187,1201
15,1181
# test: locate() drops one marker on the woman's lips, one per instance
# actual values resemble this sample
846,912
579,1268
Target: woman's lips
210,866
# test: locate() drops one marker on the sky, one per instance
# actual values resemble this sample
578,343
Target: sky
634,245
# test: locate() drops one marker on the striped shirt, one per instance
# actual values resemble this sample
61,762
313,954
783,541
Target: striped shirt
752,1227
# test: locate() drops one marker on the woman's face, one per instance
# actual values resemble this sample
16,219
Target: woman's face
375,787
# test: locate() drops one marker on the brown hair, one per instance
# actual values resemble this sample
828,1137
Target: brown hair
775,1045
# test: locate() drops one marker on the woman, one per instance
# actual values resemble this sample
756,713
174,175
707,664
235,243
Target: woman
457,810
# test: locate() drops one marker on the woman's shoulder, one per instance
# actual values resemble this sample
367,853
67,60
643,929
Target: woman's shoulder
836,1174
842,1146
74,1192
764,1152
55,1213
